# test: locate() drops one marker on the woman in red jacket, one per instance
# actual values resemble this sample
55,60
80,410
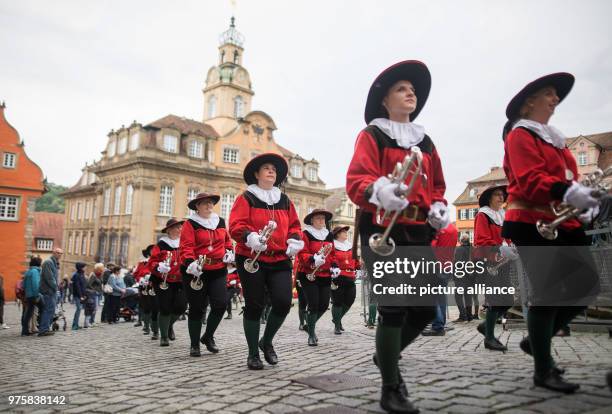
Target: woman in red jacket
395,99
541,170
489,245
342,272
233,288
205,236
261,203
316,235
144,300
164,265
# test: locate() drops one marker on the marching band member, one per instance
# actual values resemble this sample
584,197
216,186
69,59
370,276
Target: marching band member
252,211
301,299
233,287
395,99
488,245
343,270
140,273
166,273
312,260
541,170
205,251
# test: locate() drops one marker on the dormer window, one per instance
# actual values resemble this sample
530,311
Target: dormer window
134,141
472,192
296,170
196,149
122,146
170,143
312,174
112,146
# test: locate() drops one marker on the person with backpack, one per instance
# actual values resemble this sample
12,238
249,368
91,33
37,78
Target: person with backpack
30,291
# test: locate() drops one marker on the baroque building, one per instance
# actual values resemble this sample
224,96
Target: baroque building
148,173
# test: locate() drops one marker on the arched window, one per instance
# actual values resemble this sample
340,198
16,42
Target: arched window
236,54
212,106
238,107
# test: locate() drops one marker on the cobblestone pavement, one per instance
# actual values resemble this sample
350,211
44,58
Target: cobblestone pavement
118,369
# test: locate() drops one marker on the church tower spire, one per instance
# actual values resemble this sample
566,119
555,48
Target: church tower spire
227,92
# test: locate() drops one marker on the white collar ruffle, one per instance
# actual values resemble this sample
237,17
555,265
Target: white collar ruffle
547,133
210,223
496,216
407,134
270,197
172,243
319,234
344,246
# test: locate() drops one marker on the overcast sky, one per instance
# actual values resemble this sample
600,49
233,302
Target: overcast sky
73,70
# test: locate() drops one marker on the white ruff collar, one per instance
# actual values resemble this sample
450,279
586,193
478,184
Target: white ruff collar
172,243
496,216
210,223
344,246
318,234
407,134
547,133
270,197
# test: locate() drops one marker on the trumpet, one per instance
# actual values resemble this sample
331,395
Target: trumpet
493,270
251,265
566,212
196,283
325,250
381,243
164,284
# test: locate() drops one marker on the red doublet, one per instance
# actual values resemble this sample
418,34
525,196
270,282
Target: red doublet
445,243
142,269
197,240
538,174
487,237
311,247
250,214
344,260
159,254
376,155
233,276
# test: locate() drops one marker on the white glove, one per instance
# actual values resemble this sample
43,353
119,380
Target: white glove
232,282
163,267
318,259
229,256
294,247
383,195
359,274
508,252
588,216
335,272
194,269
438,216
579,196
254,243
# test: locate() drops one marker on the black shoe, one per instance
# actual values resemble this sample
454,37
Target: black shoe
229,316
139,323
481,328
609,379
432,332
525,346
555,382
146,331
164,342
312,341
341,327
460,320
171,335
209,343
302,327
253,362
195,351
337,330
155,336
475,317
494,345
392,400
269,354
400,381
47,333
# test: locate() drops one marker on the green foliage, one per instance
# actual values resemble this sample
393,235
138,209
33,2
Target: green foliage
51,201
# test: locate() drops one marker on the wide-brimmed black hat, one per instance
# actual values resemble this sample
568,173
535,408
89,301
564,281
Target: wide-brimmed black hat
561,81
308,219
203,196
338,229
253,166
171,223
411,70
146,252
485,197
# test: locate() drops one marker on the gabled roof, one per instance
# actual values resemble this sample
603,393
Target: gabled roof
496,173
48,226
185,126
334,201
603,140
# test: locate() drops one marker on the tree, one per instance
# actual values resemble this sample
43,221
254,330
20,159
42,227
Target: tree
51,201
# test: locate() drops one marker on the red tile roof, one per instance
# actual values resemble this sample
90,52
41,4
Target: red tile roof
48,226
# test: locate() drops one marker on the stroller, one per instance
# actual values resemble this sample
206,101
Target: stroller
129,304
57,317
